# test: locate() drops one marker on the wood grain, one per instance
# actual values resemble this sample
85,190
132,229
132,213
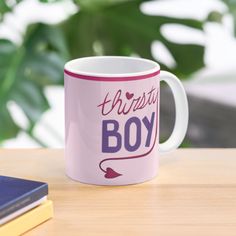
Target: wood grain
194,194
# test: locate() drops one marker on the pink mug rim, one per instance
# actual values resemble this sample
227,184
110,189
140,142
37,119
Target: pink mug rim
129,76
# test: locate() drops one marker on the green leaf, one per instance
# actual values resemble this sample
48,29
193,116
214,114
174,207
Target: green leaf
98,4
7,6
49,1
80,35
232,10
8,128
189,58
215,16
26,70
4,7
122,29
31,99
7,53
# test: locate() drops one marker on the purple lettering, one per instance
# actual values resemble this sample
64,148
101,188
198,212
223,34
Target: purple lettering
106,134
149,126
128,146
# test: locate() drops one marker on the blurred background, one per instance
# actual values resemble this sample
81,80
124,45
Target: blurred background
196,40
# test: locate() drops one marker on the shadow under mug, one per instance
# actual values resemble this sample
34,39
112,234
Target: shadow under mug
112,119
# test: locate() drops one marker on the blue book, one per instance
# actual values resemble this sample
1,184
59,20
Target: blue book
16,194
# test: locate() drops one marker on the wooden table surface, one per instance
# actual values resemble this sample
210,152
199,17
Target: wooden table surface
194,194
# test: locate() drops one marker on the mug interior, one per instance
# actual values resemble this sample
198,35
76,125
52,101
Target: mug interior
112,66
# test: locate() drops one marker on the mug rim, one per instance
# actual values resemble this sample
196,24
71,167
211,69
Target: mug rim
70,69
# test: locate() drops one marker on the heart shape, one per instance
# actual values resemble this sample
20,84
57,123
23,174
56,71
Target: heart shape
110,173
129,95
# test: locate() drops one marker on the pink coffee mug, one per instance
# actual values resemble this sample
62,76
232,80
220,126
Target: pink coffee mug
112,119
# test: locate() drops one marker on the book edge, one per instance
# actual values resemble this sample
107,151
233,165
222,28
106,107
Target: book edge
34,195
23,210
29,220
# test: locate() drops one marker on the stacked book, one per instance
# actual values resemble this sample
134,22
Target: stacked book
23,205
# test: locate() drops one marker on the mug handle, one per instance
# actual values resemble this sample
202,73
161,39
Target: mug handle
181,110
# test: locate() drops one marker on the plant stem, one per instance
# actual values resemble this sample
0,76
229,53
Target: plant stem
37,140
52,131
32,136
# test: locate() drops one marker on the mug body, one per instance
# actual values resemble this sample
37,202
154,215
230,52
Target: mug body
112,120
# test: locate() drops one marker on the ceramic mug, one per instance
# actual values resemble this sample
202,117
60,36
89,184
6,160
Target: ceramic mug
112,119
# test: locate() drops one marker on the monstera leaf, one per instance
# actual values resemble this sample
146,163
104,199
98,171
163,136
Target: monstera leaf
120,28
101,27
25,70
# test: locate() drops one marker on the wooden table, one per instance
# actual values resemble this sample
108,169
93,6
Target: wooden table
194,194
